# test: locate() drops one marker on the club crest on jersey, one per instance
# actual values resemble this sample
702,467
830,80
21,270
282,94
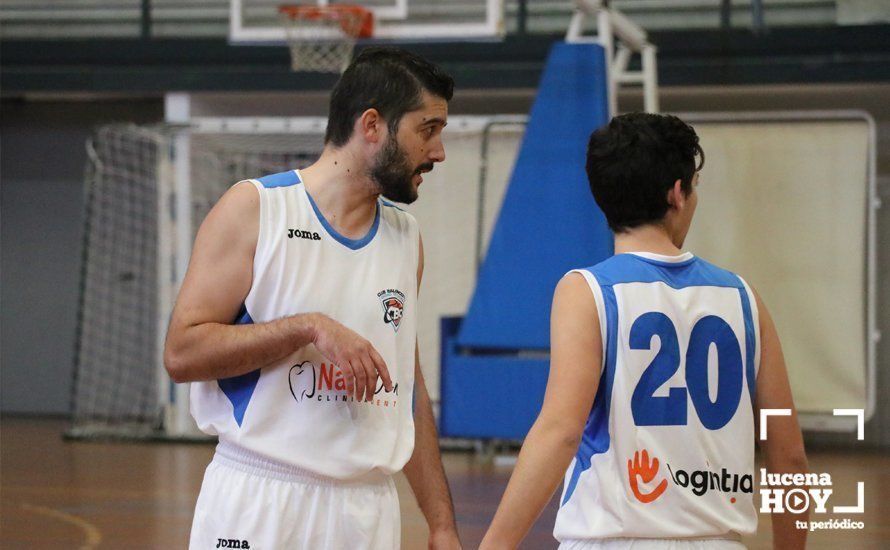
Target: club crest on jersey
393,302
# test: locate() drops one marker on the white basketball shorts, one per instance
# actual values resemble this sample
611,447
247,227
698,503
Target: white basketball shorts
250,502
652,544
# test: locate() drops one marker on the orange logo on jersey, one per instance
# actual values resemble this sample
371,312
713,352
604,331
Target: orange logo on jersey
646,472
393,307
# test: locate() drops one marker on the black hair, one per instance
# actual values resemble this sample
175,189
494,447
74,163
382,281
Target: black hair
633,162
390,80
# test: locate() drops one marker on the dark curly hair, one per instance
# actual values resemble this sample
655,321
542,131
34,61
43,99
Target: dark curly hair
634,160
390,80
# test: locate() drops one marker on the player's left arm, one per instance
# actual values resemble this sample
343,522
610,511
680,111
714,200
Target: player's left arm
783,449
424,470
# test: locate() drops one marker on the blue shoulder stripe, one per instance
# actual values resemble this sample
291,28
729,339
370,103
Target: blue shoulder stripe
281,179
629,268
391,205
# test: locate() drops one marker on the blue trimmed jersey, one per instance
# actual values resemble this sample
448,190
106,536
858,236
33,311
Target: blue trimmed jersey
296,411
668,448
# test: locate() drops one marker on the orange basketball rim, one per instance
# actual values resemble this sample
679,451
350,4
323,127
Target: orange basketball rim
355,21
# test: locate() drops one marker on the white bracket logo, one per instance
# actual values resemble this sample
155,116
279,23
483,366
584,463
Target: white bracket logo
860,435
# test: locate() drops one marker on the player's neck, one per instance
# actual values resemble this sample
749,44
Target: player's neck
646,238
341,189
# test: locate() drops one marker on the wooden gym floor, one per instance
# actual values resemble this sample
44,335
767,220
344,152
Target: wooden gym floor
58,494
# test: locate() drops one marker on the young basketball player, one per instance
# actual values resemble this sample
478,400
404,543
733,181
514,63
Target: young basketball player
660,363
296,323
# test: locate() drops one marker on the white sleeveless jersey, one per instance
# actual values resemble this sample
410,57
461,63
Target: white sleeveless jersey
297,411
668,449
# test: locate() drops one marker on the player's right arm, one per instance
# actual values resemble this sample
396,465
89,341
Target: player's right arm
783,450
203,344
576,351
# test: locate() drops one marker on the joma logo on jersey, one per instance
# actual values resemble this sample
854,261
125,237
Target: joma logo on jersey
326,384
393,307
232,543
300,234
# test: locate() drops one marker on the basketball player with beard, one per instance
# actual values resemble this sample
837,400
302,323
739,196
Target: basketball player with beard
296,323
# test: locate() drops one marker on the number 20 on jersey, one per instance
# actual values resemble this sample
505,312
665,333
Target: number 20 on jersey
671,410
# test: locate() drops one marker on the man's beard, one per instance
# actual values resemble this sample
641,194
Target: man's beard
392,173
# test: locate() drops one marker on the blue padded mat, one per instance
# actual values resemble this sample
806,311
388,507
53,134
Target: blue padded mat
549,222
488,396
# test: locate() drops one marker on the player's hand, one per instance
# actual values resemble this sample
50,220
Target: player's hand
445,539
356,358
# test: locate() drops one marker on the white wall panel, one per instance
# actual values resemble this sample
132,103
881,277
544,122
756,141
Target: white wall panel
784,204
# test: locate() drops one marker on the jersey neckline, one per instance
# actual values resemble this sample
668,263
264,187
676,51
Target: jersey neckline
353,244
661,259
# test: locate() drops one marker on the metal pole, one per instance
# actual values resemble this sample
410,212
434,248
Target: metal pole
522,18
604,35
725,14
145,32
480,199
177,106
650,79
483,179
757,16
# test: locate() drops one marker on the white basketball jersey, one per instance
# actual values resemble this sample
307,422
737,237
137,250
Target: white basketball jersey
297,411
668,449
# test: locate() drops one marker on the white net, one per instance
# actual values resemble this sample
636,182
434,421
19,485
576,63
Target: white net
220,160
115,387
321,39
121,388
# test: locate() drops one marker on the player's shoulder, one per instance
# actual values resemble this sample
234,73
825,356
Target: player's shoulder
718,274
289,178
616,268
682,271
233,220
241,199
396,217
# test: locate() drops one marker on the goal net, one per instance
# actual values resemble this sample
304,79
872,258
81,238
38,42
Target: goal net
134,227
114,377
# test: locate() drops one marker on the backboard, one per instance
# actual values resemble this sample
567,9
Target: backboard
257,21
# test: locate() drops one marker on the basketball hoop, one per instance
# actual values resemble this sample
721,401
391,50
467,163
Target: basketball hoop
321,38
